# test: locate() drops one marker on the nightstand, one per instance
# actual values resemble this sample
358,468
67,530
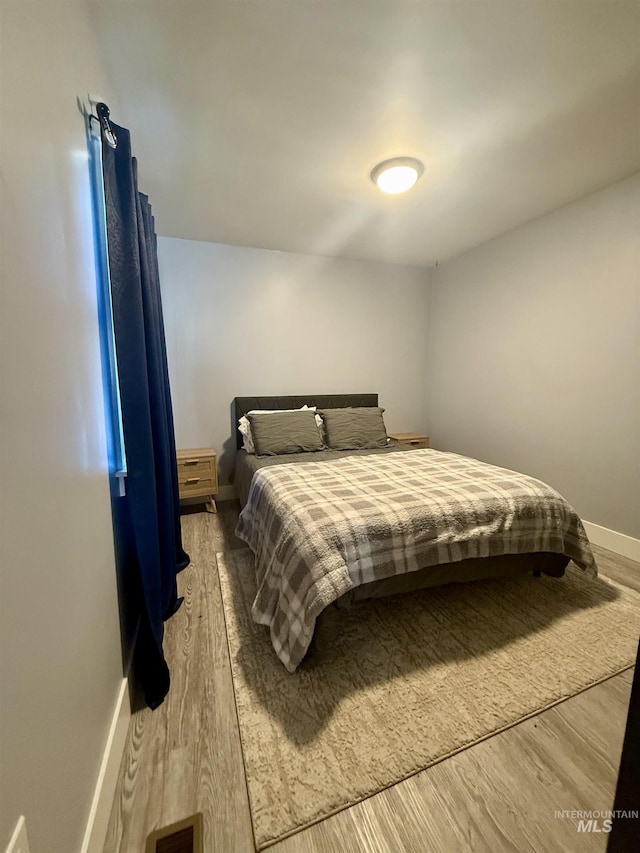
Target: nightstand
415,439
198,475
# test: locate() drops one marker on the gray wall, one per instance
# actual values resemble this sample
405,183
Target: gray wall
251,321
59,630
534,360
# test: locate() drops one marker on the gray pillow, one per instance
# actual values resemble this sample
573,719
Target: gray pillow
354,428
285,432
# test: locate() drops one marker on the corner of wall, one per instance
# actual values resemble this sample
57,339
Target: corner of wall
430,275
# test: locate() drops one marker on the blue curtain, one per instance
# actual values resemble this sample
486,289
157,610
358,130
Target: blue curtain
147,530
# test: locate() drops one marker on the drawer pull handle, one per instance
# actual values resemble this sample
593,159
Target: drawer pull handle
191,461
191,480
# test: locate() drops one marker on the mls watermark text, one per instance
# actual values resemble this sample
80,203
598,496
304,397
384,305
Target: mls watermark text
598,820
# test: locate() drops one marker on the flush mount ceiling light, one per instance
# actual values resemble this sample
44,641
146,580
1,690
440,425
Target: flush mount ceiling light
397,175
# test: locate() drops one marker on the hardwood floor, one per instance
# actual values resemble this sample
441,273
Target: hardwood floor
185,756
499,795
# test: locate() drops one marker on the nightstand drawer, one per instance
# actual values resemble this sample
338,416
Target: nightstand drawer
417,442
200,468
414,439
194,486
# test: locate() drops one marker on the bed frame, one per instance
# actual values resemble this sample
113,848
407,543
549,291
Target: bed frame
242,405
507,565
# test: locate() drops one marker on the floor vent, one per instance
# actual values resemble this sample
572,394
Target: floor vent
182,837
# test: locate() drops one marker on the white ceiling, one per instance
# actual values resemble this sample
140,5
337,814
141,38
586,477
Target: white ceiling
257,123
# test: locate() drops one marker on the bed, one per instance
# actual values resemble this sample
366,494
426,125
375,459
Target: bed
333,527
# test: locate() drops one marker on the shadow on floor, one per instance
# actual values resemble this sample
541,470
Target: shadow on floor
376,642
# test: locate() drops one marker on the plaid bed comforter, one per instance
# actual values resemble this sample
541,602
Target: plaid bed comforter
318,529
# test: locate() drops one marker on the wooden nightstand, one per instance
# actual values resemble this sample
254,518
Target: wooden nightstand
198,475
415,439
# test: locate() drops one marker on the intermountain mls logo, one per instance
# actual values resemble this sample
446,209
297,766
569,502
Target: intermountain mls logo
595,821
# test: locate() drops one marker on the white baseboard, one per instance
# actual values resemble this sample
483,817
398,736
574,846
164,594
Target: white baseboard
19,843
619,543
96,829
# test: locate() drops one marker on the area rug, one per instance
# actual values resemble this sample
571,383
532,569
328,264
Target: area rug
393,686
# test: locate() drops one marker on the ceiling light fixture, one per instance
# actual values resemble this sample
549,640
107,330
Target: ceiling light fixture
397,175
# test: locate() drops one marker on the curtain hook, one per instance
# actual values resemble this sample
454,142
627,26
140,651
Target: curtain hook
103,115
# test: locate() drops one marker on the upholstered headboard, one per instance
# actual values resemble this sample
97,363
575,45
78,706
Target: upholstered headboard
242,405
